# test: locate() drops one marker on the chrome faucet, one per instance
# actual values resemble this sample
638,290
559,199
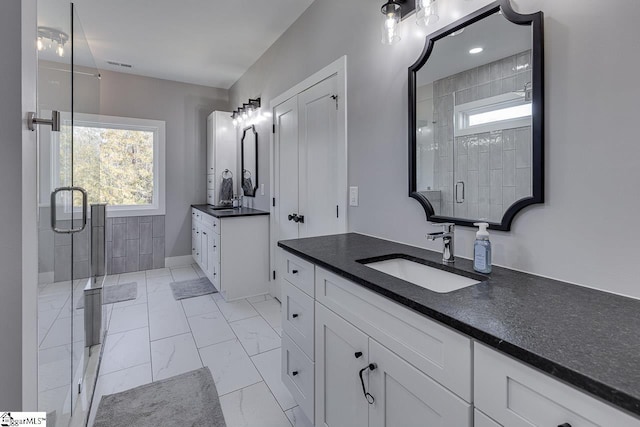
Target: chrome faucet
447,235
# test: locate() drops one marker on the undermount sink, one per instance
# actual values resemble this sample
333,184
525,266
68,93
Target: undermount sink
434,279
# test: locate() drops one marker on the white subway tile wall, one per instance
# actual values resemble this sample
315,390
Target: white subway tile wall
494,166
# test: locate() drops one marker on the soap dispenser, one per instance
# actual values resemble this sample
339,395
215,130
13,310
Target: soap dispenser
482,249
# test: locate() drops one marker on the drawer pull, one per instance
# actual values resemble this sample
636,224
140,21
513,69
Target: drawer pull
294,315
294,271
358,354
565,425
294,373
367,395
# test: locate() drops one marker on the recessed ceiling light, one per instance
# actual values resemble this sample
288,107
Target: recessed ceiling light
476,50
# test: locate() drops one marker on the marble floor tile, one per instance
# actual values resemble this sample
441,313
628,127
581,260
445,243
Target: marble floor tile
59,333
184,273
141,296
158,272
230,366
253,406
136,277
128,318
298,418
259,298
269,365
210,328
54,367
166,316
125,350
255,335
45,321
173,356
159,284
236,310
271,310
57,399
199,305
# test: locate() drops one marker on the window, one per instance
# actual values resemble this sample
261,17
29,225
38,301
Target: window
495,113
118,160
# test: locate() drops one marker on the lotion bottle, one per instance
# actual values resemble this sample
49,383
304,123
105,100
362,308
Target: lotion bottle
482,249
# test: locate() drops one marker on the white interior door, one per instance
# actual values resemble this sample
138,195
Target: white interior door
319,190
286,120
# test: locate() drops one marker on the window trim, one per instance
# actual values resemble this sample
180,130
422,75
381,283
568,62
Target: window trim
463,111
158,127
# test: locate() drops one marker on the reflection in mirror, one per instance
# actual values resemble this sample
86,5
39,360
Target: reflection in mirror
249,160
473,134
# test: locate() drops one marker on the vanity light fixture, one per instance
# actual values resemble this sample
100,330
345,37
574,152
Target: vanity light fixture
48,37
249,111
475,50
426,12
392,13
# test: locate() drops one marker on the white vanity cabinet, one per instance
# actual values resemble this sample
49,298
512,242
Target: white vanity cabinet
516,395
232,252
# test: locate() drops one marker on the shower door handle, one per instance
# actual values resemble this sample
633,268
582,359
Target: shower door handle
54,211
54,121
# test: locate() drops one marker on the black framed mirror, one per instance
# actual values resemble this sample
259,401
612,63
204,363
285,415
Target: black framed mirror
476,118
249,161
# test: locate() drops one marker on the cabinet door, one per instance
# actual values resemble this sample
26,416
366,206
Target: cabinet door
194,238
340,401
404,396
198,242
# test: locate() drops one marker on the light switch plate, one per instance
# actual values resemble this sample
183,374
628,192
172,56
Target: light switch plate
353,196
262,189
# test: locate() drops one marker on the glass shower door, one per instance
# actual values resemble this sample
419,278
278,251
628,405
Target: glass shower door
68,83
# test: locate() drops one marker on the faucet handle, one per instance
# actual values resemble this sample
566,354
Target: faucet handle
447,227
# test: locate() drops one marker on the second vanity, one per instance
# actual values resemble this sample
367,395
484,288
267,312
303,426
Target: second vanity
364,348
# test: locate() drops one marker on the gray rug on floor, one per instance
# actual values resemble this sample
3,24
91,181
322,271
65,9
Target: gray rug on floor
192,288
115,293
189,399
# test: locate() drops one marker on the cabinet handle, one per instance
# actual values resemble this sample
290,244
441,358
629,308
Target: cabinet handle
294,373
291,216
294,315
565,425
204,232
358,354
294,271
367,395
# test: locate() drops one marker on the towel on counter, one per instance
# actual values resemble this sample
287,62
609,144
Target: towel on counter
247,187
226,189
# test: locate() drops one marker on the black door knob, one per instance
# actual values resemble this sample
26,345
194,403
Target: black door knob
292,217
358,354
294,271
294,373
294,315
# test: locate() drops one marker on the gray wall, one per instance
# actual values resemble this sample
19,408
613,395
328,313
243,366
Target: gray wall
11,196
586,231
184,107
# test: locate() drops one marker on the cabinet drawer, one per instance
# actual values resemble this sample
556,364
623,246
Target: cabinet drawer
211,197
517,395
212,222
436,350
297,317
298,375
298,272
481,420
211,182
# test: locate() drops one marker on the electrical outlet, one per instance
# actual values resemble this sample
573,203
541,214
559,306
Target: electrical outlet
353,196
262,189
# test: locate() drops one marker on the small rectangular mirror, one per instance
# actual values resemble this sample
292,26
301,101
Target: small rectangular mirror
249,159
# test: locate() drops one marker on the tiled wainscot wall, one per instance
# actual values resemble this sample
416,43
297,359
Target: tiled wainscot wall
494,166
132,244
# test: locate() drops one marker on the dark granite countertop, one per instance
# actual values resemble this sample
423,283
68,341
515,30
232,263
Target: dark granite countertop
588,338
229,212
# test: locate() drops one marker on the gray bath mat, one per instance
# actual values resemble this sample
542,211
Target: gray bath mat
189,399
116,293
192,288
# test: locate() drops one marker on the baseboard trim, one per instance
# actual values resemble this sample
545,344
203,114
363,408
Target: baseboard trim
178,261
45,277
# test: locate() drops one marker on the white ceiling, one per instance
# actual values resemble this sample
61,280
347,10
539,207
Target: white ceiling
207,42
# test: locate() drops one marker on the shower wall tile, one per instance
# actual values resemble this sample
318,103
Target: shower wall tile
158,252
133,227
146,261
132,262
523,183
509,168
523,147
108,231
118,265
120,220
62,267
119,239
158,226
146,237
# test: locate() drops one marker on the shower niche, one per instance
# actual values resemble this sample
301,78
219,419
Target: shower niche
476,118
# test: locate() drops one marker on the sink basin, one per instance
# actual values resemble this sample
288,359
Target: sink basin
422,275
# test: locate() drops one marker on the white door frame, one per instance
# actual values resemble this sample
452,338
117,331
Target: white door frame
339,69
29,20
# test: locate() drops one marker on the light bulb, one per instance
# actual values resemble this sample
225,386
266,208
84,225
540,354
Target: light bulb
235,121
426,12
245,116
391,21
60,50
40,44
